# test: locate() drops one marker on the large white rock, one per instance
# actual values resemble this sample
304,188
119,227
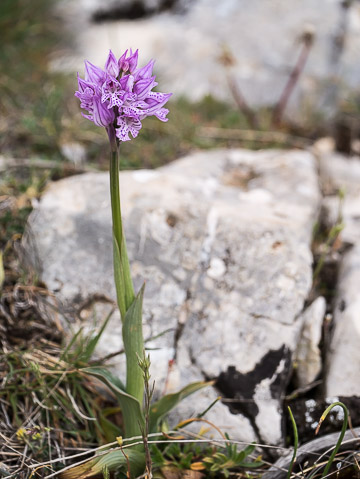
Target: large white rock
222,240
263,36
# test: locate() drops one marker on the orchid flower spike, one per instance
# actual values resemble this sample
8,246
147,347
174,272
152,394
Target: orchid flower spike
121,95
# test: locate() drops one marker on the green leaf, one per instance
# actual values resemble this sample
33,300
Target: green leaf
248,450
157,457
134,347
106,473
119,279
129,288
116,459
106,377
249,465
130,406
92,343
109,429
164,405
73,341
220,456
123,282
113,460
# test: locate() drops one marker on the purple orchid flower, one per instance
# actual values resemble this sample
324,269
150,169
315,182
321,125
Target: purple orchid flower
121,95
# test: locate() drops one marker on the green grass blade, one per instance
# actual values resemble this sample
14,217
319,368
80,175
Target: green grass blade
92,343
296,442
2,272
73,341
341,436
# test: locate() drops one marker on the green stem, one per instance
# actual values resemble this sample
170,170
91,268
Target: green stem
115,196
123,282
129,306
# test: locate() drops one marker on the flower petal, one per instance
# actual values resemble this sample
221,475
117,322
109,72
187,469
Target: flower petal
121,93
83,84
161,114
102,116
94,73
154,105
111,91
123,132
144,72
142,87
111,65
128,125
133,59
123,63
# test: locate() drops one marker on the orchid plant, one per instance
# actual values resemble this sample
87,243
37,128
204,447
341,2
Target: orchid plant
118,98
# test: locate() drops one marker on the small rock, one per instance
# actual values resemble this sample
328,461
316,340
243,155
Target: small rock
324,145
308,354
341,172
217,268
74,152
345,212
343,372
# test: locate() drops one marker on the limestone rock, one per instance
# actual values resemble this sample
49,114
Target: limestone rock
346,210
222,240
220,414
343,375
308,354
342,174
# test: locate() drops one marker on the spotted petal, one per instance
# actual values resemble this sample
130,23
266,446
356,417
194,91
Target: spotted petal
127,125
